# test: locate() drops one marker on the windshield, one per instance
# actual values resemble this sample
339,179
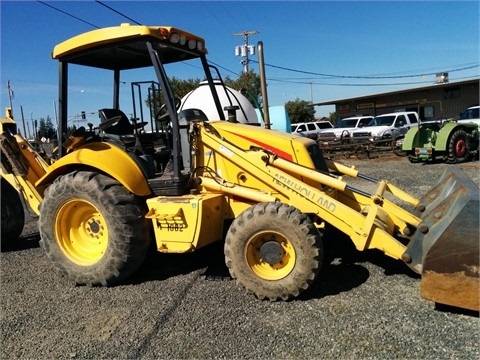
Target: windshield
470,114
324,125
382,121
344,123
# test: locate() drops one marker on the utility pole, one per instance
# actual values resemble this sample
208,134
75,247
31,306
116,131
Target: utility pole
10,97
23,121
245,49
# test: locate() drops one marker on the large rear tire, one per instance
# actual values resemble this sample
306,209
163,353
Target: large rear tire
273,251
13,215
93,229
458,147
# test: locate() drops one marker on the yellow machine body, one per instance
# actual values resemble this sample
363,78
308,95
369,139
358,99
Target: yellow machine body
188,222
102,157
21,165
115,187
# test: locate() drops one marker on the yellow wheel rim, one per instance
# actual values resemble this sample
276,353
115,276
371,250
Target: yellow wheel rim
263,263
81,232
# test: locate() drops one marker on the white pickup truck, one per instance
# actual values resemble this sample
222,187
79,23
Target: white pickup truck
386,126
472,114
343,128
311,129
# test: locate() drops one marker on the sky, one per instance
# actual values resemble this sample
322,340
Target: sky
314,50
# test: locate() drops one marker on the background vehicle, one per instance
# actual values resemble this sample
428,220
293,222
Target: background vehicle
472,114
193,179
449,140
342,129
311,129
386,127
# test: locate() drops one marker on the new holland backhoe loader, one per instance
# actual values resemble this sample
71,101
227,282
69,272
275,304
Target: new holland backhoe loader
181,183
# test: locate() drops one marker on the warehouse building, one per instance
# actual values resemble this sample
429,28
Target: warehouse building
443,99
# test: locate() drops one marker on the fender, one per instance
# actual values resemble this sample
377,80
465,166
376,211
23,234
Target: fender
444,135
105,157
410,139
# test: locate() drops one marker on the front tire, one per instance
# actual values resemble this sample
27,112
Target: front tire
273,251
458,147
93,229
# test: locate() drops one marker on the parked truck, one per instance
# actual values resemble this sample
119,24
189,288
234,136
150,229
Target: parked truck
471,114
338,139
191,181
342,129
382,129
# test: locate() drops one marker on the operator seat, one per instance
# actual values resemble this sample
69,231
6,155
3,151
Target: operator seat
122,127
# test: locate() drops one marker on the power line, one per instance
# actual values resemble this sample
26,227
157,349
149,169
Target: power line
65,13
246,34
224,68
363,77
118,12
354,85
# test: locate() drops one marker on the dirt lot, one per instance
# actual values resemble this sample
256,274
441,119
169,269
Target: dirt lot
186,306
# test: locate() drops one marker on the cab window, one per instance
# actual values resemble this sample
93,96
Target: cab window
412,118
401,121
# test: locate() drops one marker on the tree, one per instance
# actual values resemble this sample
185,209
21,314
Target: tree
300,111
333,117
249,85
46,129
181,87
51,131
70,130
42,129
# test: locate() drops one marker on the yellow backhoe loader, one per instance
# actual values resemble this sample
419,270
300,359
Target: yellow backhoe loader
183,180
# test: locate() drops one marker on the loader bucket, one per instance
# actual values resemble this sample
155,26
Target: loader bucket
447,255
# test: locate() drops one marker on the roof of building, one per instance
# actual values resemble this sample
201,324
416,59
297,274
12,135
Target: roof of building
463,82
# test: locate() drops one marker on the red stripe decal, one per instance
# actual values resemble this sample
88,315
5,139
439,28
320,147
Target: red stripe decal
279,152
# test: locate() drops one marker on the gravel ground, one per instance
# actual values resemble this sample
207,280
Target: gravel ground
185,306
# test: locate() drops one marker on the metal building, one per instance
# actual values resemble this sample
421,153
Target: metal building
441,100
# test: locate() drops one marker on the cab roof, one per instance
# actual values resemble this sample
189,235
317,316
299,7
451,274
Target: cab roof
124,47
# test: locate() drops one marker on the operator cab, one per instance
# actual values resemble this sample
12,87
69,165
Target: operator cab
157,141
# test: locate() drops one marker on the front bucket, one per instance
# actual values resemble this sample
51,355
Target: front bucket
447,256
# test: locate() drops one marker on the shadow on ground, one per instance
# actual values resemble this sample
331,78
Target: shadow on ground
342,269
26,242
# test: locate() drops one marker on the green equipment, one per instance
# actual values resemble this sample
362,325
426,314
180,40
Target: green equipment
448,141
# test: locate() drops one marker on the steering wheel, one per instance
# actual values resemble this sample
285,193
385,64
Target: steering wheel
162,113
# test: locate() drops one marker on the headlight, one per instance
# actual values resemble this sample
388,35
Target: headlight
174,38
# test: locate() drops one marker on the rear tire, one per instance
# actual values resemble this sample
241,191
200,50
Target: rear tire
93,229
13,215
273,251
458,147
